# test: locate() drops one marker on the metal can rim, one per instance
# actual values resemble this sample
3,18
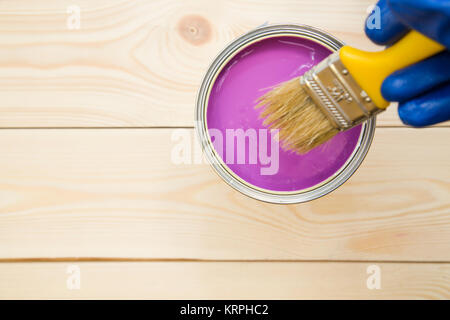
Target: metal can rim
288,197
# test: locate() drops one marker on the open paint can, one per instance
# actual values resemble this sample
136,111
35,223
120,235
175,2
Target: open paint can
240,148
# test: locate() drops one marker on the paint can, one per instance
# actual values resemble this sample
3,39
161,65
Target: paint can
223,169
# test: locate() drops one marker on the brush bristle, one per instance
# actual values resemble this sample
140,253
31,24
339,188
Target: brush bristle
301,123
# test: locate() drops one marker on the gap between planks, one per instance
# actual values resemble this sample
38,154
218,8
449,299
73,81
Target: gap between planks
187,260
445,125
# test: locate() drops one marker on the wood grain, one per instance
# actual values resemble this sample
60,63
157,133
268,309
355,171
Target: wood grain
116,193
136,63
223,280
96,194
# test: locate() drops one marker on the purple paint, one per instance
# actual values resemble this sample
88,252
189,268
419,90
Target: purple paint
231,106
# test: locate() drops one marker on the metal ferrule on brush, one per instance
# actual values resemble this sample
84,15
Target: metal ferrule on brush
334,90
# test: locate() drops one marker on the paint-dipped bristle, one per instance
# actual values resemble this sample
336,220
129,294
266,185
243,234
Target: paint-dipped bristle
301,123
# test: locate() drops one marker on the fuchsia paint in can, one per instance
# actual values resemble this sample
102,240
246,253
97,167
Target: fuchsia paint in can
243,152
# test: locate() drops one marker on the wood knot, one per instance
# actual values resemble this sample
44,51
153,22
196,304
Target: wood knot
194,29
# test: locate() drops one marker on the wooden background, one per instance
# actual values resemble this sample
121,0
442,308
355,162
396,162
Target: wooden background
86,120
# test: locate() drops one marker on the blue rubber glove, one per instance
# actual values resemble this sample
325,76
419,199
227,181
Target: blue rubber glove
422,90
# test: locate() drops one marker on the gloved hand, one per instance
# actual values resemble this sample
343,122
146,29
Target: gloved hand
423,89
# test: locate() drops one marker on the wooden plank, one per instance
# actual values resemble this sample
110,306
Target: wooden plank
131,64
222,280
117,193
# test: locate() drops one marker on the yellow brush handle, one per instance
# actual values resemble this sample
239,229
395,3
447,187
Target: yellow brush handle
369,69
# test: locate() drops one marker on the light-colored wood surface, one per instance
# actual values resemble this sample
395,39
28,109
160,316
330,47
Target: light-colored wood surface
217,280
117,193
136,63
71,189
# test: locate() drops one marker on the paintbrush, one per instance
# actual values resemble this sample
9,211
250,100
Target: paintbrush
339,93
